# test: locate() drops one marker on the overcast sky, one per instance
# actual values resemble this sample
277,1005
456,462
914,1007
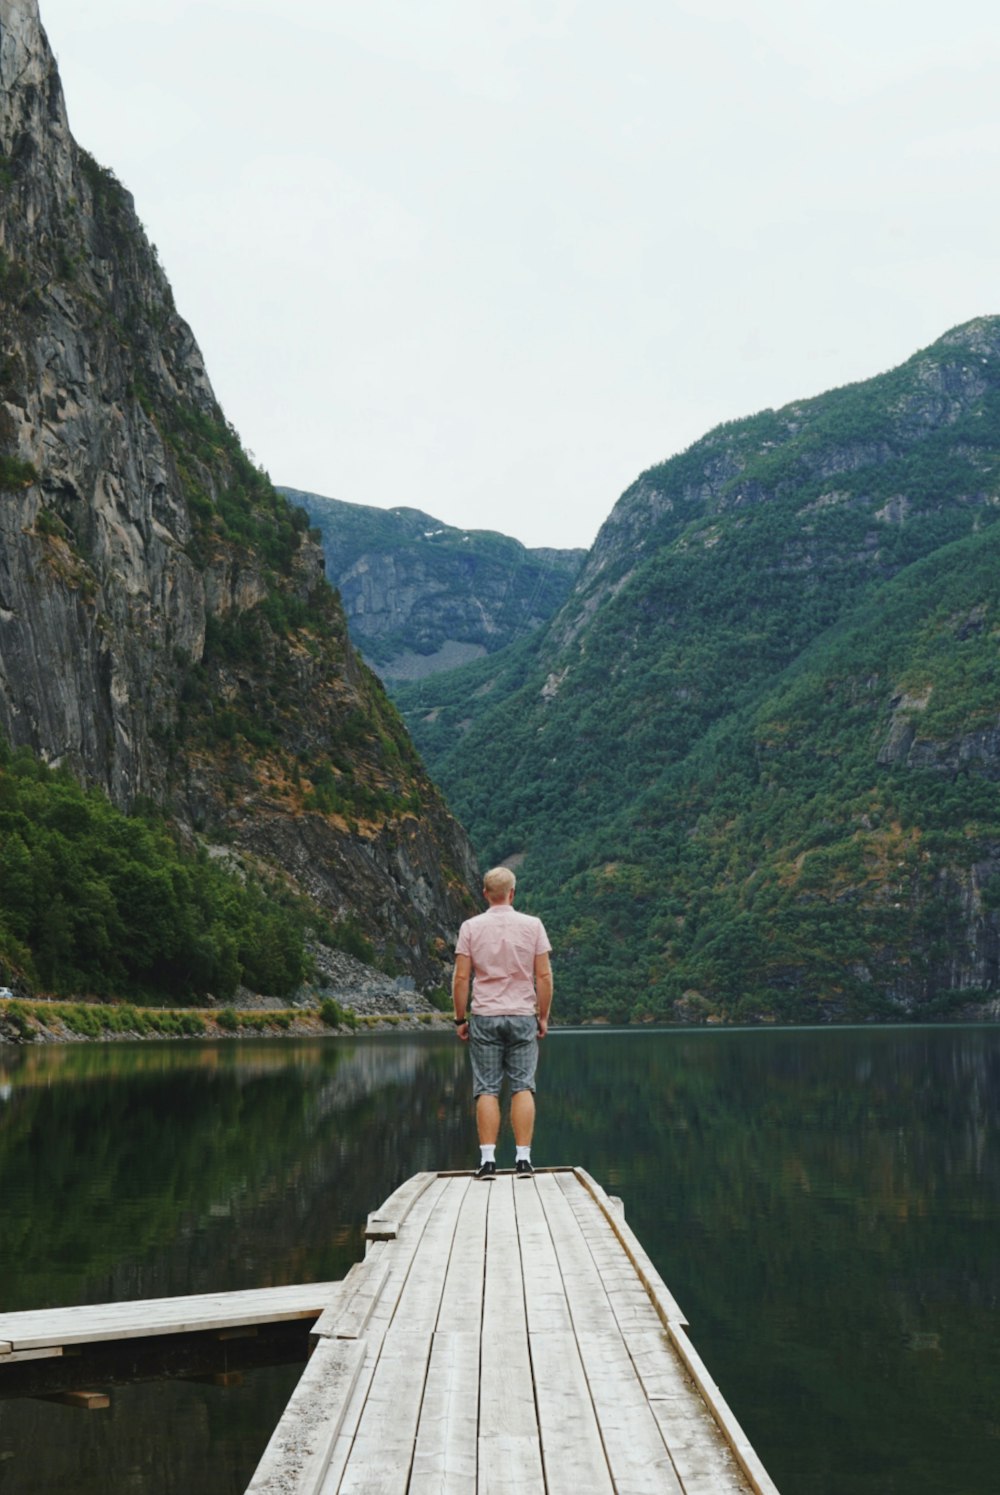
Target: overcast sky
492,258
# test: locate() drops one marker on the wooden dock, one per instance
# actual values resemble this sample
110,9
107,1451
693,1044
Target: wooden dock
502,1338
510,1336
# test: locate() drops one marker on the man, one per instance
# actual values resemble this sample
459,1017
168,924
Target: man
506,955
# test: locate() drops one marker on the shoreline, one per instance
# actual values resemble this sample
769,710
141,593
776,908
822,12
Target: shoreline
61,1023
39,1022
345,997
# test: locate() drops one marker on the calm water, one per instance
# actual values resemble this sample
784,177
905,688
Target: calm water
824,1205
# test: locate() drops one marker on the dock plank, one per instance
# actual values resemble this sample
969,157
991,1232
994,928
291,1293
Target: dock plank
572,1447
544,1295
572,1451
47,1352
349,1312
634,1249
396,1208
382,1451
745,1453
637,1455
509,1464
462,1300
93,1323
403,1250
698,1452
444,1460
298,1454
705,1442
445,1457
510,1455
387,1432
704,1462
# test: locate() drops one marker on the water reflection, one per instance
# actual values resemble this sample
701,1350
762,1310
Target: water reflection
823,1205
825,1208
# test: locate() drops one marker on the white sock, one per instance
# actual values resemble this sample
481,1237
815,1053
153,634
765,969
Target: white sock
487,1152
522,1154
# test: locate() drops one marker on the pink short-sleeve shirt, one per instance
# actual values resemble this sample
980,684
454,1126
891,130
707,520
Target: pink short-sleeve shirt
502,944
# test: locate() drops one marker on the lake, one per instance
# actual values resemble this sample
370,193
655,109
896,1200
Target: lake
823,1204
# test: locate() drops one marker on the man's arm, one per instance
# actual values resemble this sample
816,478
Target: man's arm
543,991
460,978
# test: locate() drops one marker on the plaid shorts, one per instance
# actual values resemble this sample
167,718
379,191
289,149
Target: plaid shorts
503,1045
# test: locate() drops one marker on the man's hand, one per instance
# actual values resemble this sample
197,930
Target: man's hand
462,1029
543,1026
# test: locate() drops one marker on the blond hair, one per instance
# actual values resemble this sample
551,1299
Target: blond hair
497,883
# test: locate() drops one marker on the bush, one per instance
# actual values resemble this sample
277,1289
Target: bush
336,1016
81,1019
15,474
349,937
228,1020
17,1015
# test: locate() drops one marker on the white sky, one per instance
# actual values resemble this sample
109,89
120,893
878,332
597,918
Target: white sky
492,258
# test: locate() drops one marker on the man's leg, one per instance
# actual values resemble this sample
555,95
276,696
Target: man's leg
486,1055
488,1119
522,1117
522,1056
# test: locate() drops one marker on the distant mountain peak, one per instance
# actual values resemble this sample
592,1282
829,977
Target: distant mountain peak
422,596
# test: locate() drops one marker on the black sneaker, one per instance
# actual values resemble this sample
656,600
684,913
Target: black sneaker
486,1170
523,1168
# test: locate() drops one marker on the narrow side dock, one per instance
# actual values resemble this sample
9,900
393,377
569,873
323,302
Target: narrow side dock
44,1333
507,1336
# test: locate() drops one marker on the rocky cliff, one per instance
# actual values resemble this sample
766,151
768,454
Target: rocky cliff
422,596
166,630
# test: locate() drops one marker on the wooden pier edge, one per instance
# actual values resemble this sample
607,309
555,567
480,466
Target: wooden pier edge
351,1308
384,1223
676,1325
661,1297
299,1451
743,1450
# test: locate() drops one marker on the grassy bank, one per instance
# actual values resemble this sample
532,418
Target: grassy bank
67,1022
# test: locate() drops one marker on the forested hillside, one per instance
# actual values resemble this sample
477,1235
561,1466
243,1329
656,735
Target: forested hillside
751,766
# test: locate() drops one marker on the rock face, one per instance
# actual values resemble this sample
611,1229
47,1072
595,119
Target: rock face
421,596
165,627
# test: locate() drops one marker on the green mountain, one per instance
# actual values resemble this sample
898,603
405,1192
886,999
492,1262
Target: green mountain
750,768
421,596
